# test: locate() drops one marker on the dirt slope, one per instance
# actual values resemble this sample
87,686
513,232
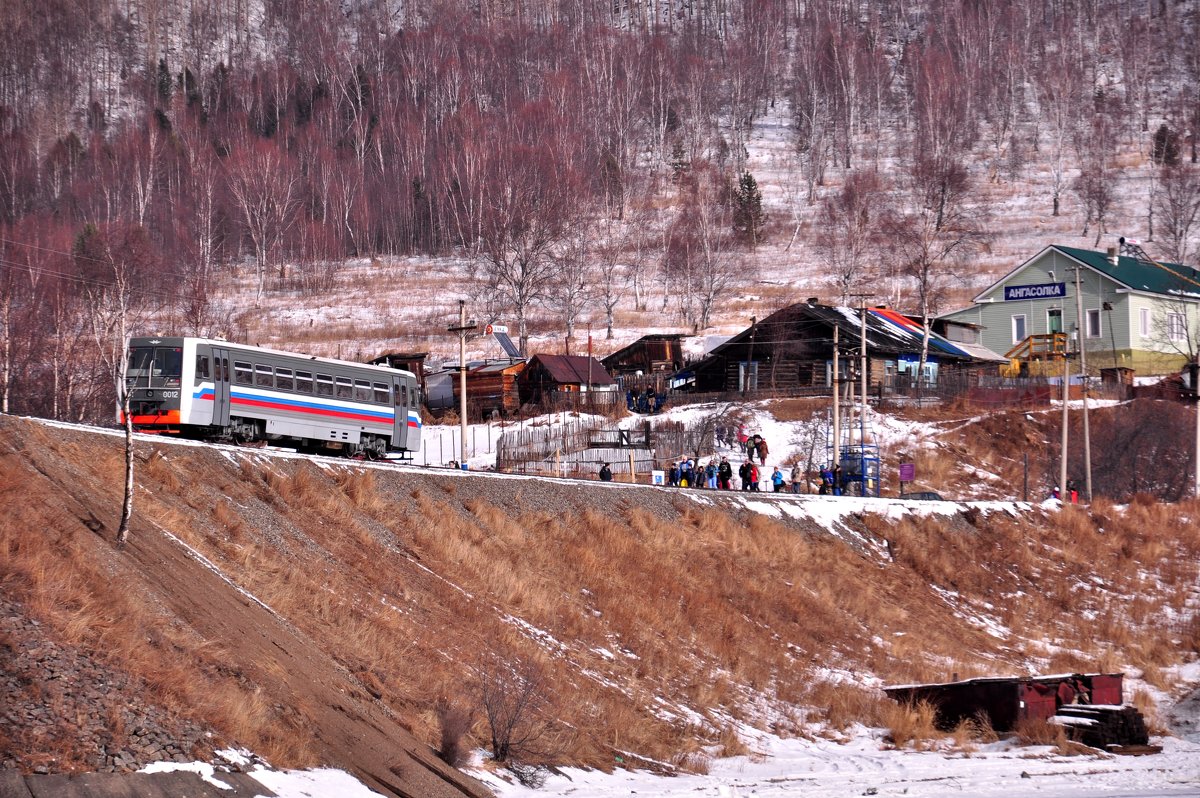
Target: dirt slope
322,612
57,487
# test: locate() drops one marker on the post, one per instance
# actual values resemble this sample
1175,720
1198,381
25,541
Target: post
589,356
462,381
1087,437
862,410
1025,484
1196,391
1066,397
462,329
632,469
837,398
749,358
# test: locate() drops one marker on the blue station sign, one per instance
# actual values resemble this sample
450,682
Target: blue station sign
1013,293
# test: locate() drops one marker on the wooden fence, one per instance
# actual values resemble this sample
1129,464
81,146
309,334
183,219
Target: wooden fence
581,447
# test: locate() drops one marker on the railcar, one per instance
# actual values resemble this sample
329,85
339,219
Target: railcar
208,389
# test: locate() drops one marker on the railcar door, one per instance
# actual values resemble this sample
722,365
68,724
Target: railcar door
220,387
400,424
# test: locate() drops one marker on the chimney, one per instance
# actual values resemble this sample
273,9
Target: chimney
1113,258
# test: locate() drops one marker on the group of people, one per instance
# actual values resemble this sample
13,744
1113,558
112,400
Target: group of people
718,475
688,473
646,401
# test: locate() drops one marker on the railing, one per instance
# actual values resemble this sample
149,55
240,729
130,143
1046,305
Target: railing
1039,347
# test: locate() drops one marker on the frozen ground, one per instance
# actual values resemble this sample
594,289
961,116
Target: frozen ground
821,768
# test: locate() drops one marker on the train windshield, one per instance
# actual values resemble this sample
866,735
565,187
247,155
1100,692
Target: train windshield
155,367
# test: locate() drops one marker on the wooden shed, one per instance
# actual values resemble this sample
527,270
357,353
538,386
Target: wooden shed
1009,700
548,375
409,361
651,357
492,386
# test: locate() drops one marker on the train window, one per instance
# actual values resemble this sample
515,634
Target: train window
402,395
362,390
381,393
263,375
202,366
225,368
283,379
345,388
304,381
324,385
167,368
242,373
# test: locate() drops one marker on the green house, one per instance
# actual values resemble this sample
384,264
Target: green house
1137,313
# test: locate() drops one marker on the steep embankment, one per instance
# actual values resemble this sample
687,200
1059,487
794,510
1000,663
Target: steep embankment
317,611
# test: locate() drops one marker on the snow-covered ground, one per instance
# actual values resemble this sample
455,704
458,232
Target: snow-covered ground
861,764
820,768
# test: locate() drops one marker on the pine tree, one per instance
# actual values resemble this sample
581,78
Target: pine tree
748,215
1165,150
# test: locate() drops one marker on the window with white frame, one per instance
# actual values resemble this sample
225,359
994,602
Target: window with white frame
1093,322
1176,326
1144,322
1018,328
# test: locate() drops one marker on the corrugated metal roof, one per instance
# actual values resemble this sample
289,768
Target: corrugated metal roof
574,369
887,331
1171,279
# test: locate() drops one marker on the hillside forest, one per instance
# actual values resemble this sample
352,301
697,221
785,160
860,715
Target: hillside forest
569,154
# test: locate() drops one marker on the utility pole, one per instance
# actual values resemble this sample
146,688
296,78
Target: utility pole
862,368
837,399
749,358
1066,395
1196,396
1081,326
462,329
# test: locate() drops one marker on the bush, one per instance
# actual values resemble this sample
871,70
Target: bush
455,723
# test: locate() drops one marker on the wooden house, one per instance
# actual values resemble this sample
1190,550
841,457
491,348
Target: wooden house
409,361
548,376
492,386
792,351
649,359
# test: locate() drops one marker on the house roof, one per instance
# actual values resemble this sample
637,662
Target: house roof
887,331
574,369
639,342
1171,279
1166,279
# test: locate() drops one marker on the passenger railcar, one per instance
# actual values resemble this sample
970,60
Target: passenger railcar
203,388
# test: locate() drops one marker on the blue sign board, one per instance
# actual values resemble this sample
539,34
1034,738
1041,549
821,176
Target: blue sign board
1013,293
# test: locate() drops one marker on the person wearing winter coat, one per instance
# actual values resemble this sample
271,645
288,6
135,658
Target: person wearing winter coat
744,474
753,478
685,474
777,480
710,474
760,447
724,474
797,477
605,473
673,475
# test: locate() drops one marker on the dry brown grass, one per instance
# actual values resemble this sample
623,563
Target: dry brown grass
1039,732
402,581
911,724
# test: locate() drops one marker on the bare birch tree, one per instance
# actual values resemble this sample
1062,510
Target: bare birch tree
116,301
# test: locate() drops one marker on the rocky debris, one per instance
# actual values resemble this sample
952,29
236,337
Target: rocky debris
66,711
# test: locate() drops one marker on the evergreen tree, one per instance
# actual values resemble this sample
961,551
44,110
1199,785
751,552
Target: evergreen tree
748,215
1165,149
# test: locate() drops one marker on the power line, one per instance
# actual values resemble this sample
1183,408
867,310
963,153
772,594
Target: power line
81,280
